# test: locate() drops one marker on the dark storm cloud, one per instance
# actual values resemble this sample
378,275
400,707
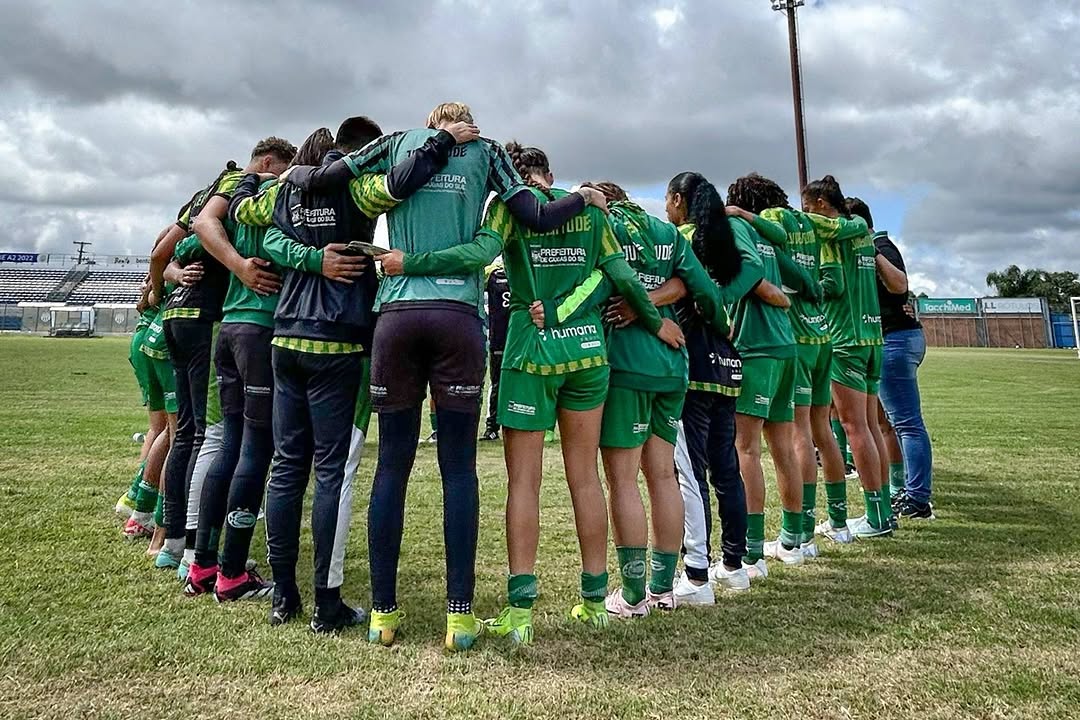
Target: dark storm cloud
111,113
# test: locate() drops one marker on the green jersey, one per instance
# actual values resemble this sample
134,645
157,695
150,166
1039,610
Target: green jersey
850,274
153,339
242,304
444,213
761,330
657,251
808,321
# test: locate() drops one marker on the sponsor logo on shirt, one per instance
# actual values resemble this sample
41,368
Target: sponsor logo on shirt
651,282
591,345
728,362
871,319
313,217
766,250
449,281
520,408
574,331
866,262
463,390
558,255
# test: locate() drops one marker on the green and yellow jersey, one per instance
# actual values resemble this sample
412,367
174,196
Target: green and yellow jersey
849,276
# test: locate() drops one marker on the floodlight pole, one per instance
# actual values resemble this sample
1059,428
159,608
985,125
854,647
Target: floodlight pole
788,7
82,250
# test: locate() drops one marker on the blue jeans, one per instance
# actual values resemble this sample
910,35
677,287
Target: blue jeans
904,352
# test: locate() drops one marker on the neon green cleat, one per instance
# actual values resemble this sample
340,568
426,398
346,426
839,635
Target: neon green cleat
591,612
125,506
383,627
462,629
515,622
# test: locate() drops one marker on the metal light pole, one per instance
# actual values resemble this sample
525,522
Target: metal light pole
788,7
82,250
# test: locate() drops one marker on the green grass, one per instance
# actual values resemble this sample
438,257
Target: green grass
975,615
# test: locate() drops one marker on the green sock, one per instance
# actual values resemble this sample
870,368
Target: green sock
159,510
836,499
434,422
872,498
791,528
841,440
755,537
663,566
146,499
594,587
521,590
809,516
885,505
897,480
133,489
632,569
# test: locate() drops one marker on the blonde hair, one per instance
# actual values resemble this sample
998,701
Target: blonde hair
449,112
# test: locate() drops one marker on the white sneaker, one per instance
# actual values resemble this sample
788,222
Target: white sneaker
757,571
865,530
737,580
687,592
776,549
837,535
852,523
616,605
809,550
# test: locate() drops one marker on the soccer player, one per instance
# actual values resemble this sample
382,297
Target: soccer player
645,401
847,253
322,338
813,362
190,314
903,353
430,332
498,319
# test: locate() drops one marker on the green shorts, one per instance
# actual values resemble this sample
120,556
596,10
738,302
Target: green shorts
813,375
768,389
157,382
858,368
530,402
631,416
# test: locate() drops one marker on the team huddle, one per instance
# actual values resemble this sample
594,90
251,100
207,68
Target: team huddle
272,329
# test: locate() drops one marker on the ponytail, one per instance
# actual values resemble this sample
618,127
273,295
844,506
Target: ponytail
529,161
713,241
828,189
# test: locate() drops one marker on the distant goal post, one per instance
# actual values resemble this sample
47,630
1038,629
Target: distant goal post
1074,304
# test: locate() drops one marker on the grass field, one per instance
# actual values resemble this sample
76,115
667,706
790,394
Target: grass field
975,615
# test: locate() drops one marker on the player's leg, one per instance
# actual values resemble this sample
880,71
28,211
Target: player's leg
726,480
181,350
832,469
141,522
851,404
780,433
691,464
210,431
624,429
904,353
361,421
760,380
806,362
665,497
491,425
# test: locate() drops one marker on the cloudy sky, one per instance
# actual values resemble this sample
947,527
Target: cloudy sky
957,122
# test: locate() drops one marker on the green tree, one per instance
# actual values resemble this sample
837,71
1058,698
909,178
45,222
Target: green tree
1056,287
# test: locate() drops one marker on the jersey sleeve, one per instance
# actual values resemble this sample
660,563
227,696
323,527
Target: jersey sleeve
700,286
373,157
286,252
472,256
254,209
832,270
796,277
188,250
593,291
752,270
503,179
840,229
226,186
773,232
370,194
625,279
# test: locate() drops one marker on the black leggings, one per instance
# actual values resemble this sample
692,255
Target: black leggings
398,434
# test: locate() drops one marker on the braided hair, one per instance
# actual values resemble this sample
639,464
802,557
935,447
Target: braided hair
828,190
755,193
313,149
529,161
714,241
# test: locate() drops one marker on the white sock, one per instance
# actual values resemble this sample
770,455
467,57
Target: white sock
174,546
146,519
189,555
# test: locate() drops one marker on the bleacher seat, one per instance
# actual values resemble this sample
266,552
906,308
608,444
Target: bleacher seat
28,284
108,286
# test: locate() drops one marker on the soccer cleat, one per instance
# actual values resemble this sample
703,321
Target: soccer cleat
899,497
837,535
286,605
850,473
200,580
165,560
134,530
515,623
591,612
915,510
865,530
616,605
335,618
182,568
663,602
384,627
689,593
490,436
809,550
432,439
248,586
737,580
776,549
125,506
462,629
757,571
853,522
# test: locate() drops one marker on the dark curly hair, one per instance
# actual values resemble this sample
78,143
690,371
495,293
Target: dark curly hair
756,193
281,149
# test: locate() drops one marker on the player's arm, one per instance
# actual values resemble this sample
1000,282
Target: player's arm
752,270
163,250
329,261
772,295
252,206
375,193
840,229
254,272
797,278
460,259
773,232
890,268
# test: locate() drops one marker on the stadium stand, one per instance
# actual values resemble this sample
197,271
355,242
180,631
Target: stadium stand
107,286
28,284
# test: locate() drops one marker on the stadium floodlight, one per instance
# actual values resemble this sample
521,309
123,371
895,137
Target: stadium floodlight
788,7
1074,302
